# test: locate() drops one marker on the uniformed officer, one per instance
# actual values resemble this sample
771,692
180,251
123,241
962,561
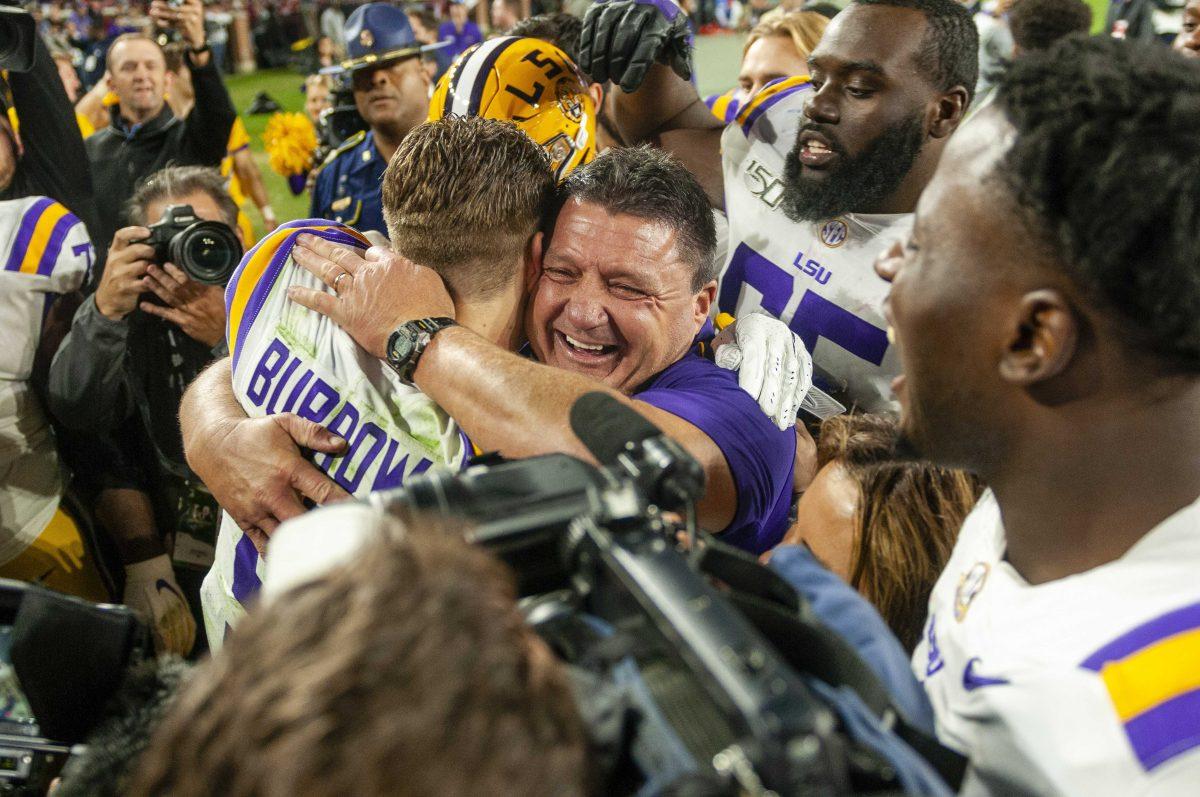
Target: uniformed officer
391,91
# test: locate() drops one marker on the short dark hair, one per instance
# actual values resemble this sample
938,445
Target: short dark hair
407,671
463,195
652,185
949,54
176,182
1106,167
1037,24
561,30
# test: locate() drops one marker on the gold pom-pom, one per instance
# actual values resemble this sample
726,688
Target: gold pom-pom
290,140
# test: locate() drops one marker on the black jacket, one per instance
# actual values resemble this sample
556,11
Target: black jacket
54,163
122,159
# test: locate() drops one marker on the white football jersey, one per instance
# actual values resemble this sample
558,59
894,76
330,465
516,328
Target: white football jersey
1087,685
817,277
46,253
287,358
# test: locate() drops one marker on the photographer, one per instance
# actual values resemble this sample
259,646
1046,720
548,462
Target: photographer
133,347
145,135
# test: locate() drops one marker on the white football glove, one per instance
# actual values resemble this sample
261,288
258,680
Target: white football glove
772,363
152,591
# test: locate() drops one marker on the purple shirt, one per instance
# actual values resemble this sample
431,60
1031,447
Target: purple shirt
460,40
759,454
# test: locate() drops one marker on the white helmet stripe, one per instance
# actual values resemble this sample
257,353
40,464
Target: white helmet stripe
475,70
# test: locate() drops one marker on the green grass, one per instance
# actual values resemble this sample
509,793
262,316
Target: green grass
717,60
284,87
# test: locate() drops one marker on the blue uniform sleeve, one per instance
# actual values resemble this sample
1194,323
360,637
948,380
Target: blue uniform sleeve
760,456
854,619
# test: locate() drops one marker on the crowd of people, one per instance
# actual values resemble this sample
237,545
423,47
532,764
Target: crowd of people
919,295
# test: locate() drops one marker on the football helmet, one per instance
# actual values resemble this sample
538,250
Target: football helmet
530,82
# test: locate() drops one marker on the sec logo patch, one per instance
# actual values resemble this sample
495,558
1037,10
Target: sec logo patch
834,233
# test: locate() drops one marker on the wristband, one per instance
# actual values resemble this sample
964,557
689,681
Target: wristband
266,210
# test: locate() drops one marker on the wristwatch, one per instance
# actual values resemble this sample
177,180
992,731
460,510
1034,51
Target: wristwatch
406,345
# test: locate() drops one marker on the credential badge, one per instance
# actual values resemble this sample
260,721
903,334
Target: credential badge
366,38
834,233
970,585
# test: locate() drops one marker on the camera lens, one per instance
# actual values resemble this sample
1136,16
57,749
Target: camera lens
207,251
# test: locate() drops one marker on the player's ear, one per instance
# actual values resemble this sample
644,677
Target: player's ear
1043,342
597,92
533,260
947,111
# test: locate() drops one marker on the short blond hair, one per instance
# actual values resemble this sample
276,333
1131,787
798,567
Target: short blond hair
463,196
804,27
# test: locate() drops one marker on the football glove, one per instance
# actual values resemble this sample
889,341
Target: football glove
152,591
773,364
622,38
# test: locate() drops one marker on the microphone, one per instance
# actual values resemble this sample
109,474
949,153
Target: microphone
622,439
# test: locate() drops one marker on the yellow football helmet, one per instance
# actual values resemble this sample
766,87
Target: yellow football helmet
530,82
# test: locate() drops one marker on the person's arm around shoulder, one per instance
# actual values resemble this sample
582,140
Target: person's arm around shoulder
495,396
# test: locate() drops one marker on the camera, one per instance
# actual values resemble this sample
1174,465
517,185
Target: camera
17,32
338,122
707,658
207,251
53,697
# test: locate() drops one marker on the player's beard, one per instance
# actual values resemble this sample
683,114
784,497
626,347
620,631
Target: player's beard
858,184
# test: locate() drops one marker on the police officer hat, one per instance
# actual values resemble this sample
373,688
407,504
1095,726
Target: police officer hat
375,33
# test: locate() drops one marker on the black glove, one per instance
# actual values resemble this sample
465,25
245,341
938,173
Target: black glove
622,38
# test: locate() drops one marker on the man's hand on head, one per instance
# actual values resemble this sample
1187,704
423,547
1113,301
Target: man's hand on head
124,278
197,309
374,292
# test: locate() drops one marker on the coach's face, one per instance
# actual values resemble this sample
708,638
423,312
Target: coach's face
614,299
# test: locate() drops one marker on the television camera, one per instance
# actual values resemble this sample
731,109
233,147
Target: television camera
709,655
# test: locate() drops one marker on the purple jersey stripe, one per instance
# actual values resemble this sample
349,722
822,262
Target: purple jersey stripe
25,232
262,289
768,103
1167,730
55,243
1146,634
245,571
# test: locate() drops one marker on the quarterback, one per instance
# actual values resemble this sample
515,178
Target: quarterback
285,359
815,173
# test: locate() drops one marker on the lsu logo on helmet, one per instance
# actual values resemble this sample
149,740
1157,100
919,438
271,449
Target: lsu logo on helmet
530,82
